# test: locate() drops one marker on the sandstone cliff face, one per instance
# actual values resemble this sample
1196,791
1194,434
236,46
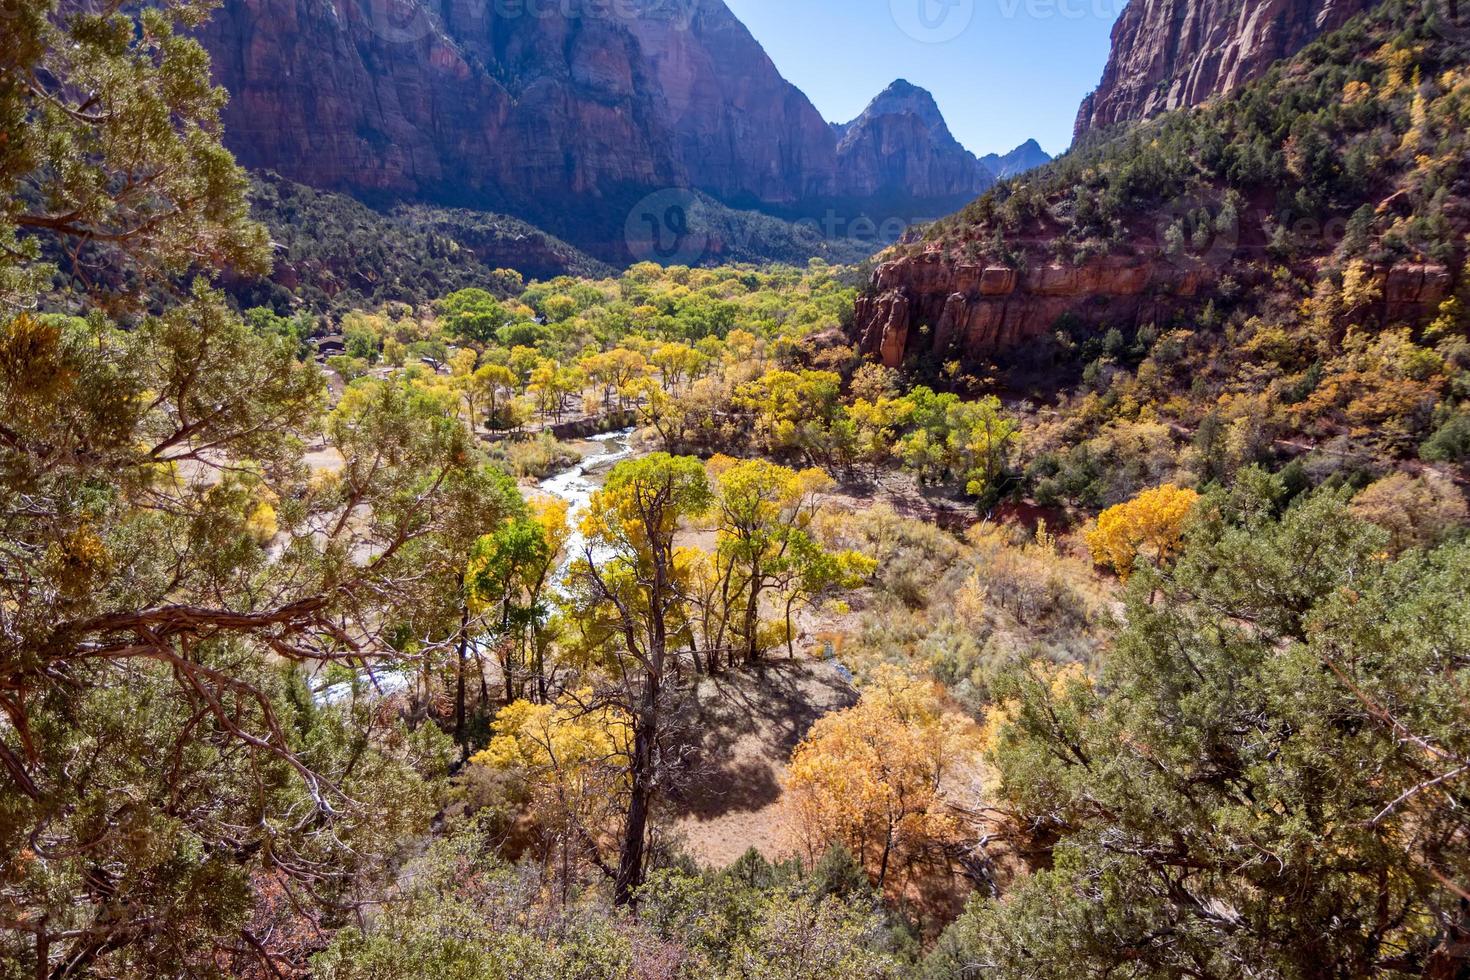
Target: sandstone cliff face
1167,54
941,301
504,104
565,114
900,145
936,303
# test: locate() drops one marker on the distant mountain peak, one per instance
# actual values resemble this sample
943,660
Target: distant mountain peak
1028,156
901,142
902,97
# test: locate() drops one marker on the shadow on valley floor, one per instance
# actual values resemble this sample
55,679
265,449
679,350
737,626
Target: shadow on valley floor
942,506
746,723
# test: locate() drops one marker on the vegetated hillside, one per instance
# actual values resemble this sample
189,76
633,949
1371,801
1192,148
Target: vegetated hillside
1294,253
333,253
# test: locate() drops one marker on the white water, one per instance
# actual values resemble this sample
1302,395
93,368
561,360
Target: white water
576,488
572,485
385,682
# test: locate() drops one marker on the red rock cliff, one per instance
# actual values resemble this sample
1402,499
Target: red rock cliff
958,309
509,102
938,304
1172,53
563,113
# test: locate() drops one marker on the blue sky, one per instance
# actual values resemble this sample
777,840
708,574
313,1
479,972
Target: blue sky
1003,71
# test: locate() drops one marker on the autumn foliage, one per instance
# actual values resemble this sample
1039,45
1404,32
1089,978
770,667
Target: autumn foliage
1150,525
872,777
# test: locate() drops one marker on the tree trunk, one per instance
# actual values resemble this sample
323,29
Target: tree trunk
630,859
883,862
484,687
508,656
752,618
790,633
459,681
540,670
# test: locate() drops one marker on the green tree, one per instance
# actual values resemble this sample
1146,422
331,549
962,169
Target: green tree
473,316
147,603
760,508
112,150
793,411
508,575
173,570
957,440
1259,785
763,514
628,601
494,385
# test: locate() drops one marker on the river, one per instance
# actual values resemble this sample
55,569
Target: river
576,486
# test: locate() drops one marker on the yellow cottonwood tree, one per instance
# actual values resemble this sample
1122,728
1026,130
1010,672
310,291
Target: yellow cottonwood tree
1151,524
572,761
762,513
872,776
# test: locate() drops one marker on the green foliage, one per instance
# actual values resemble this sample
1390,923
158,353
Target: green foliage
135,184
466,916
473,316
173,569
297,329
1264,779
748,921
957,440
336,254
1253,787
1450,442
469,917
167,808
1107,469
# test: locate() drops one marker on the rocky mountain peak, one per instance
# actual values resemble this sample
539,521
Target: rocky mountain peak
903,98
900,143
1028,156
